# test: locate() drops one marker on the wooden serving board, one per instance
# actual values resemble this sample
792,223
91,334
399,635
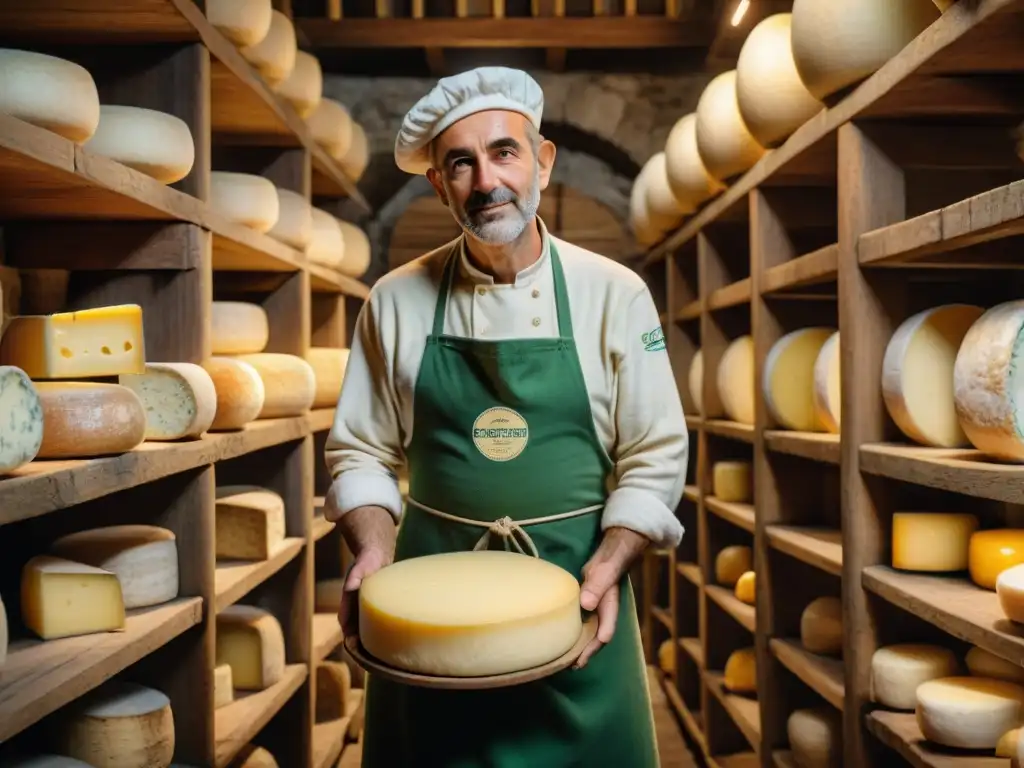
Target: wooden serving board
375,667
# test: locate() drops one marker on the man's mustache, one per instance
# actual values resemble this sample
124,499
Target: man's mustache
496,196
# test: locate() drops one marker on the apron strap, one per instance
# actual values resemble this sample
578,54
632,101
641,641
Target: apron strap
446,285
505,527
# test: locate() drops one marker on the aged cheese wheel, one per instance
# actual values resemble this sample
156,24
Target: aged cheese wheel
244,198
816,737
837,43
357,157
688,177
723,140
304,85
274,55
294,225
251,642
918,373
731,563
465,614
240,392
788,384
695,381
931,541
772,98
62,598
357,250
180,399
968,712
250,523
982,663
143,557
251,756
897,670
331,127
826,395
732,480
992,552
49,92
238,328
821,626
746,588
740,674
289,383
223,686
662,205
736,380
327,595
333,685
326,243
154,143
329,369
21,413
82,420
1007,746
1010,588
644,231
243,22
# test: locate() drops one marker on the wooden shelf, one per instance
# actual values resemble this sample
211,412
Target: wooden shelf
320,419
728,602
327,635
816,446
820,266
731,429
824,675
96,21
691,311
693,648
328,741
694,422
234,579
899,731
664,616
820,547
690,571
730,296
738,514
691,493
746,712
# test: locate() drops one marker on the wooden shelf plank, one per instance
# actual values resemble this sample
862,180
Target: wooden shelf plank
40,676
320,419
235,724
691,571
96,21
691,311
328,741
663,616
738,514
737,760
899,731
321,527
693,648
236,578
816,446
731,295
823,674
690,722
820,266
731,429
327,635
820,547
744,614
746,712
693,422
691,493
784,759
324,280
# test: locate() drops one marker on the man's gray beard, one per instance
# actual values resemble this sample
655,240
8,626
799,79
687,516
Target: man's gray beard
507,228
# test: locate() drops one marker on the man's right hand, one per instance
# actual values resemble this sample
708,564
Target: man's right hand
368,562
370,533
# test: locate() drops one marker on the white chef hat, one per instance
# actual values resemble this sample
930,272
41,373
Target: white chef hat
459,96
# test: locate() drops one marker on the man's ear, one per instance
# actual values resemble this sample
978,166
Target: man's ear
434,177
546,162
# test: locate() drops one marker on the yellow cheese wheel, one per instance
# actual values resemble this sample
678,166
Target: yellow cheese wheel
826,394
724,142
326,244
1010,589
329,368
244,198
992,552
238,328
251,641
303,87
732,480
931,541
695,381
357,250
83,420
731,563
667,657
982,663
735,379
357,157
331,127
274,55
63,598
821,626
740,675
243,22
688,177
289,383
154,143
968,712
746,588
333,686
50,93
788,384
662,205
240,392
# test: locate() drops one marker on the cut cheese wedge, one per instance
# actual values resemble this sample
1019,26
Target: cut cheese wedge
735,379
969,712
294,225
143,557
992,552
62,598
327,597
821,626
331,127
465,614
50,93
251,642
982,663
289,384
326,244
732,481
244,198
731,563
897,671
151,142
21,414
788,383
740,674
304,85
1010,589
223,686
355,160
83,420
827,386
695,381
333,685
723,140
931,541
180,399
240,392
816,737
274,55
357,250
250,523
746,588
328,366
238,328
243,22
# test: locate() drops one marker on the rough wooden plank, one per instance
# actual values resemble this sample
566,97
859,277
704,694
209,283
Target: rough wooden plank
899,731
816,446
820,547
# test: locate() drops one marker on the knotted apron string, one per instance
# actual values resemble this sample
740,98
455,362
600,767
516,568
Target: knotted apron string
506,527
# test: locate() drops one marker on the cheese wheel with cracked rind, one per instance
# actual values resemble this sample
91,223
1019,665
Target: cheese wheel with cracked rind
143,557
240,392
661,203
250,523
688,177
180,399
816,737
788,384
245,199
326,243
83,420
731,563
238,328
294,225
897,670
1010,589
724,142
931,541
333,685
329,368
968,712
289,383
746,588
735,379
982,663
828,385
50,93
991,552
467,614
331,127
223,686
821,626
243,22
357,156
62,598
151,142
695,381
357,250
274,55
251,641
740,674
304,86
21,413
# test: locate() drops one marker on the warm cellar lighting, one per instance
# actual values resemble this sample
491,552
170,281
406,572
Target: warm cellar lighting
740,11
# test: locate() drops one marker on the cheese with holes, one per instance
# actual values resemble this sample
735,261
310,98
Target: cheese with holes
21,417
44,761
897,670
357,250
931,541
304,86
735,379
326,243
289,383
724,142
50,93
501,612
1007,744
143,557
732,481
155,143
667,657
731,563
330,124
968,712
746,588
223,686
239,389
788,384
83,420
357,157
740,674
251,642
62,598
825,396
294,225
821,626
119,725
4,633
816,737
243,22
244,198
328,366
107,341
238,328
333,685
993,551
695,381
250,523
327,595
1010,589
918,374
251,756
179,398
688,177
982,663
662,205
274,55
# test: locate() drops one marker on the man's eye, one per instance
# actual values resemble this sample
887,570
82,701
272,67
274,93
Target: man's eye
505,153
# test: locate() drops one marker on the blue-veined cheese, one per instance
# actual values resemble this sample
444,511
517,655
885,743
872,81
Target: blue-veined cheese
21,419
180,399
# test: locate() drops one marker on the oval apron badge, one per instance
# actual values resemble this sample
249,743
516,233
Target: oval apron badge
500,433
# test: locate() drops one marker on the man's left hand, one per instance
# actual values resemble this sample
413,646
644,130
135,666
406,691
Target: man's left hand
601,576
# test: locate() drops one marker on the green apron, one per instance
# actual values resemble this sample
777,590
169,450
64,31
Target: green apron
504,428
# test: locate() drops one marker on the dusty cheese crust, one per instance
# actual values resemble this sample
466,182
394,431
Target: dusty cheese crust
968,712
151,142
897,670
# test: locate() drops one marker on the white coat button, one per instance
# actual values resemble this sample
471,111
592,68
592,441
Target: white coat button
536,293
481,290
536,322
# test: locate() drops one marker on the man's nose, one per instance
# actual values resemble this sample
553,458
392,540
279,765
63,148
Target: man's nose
485,180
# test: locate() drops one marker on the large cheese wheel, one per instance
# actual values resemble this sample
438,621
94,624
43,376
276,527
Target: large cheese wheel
918,373
740,673
82,420
238,328
836,43
357,250
326,243
695,381
788,384
240,392
731,563
735,380
144,558
968,712
120,725
294,225
723,140
821,626
304,85
244,198
331,127
826,395
931,541
63,598
329,368
986,383
1010,589
289,383
274,55
816,737
154,143
357,157
644,231
897,670
982,663
21,413
250,640
465,614
243,22
688,177
180,399
772,98
992,552
661,203
49,92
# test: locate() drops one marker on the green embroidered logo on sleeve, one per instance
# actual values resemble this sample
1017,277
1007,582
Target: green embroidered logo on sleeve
654,341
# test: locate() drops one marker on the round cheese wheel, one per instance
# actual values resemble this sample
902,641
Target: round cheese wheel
328,365
816,737
724,142
740,674
466,614
238,328
826,395
982,663
662,205
240,392
179,398
968,712
644,231
695,381
326,243
331,127
772,98
735,380
821,626
688,177
985,382
333,688
1007,746
1010,588
274,55
992,552
357,157
837,43
245,199
918,374
83,420
667,657
897,670
154,143
788,383
294,225
731,563
357,250
50,93
304,86
289,384
243,22
22,413
732,480
931,541
746,588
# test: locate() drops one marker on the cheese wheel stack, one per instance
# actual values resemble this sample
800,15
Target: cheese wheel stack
50,93
275,54
245,199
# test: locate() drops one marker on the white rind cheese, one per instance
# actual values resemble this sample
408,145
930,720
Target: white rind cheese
695,381
968,712
61,598
688,177
736,380
827,385
331,127
640,224
661,203
932,541
1010,589
251,641
466,614
50,93
357,250
982,663
244,198
723,140
240,392
151,142
821,626
816,737
294,225
274,55
84,420
731,563
243,22
289,384
238,328
250,523
326,243
143,557
180,399
328,366
788,383
357,156
897,670
223,686
304,86
21,419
